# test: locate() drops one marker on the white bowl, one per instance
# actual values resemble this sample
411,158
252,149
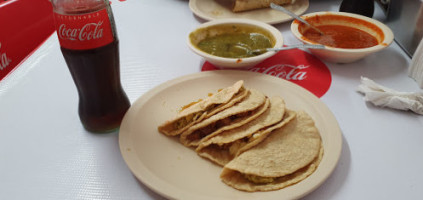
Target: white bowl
208,29
380,31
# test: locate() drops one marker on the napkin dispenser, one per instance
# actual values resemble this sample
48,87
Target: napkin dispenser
405,18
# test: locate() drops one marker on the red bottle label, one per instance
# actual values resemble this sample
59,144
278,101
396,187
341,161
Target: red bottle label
85,31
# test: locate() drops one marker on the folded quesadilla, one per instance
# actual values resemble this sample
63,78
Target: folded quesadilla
224,146
245,5
287,156
246,110
204,108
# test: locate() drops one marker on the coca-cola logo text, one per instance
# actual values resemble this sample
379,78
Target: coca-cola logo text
4,60
285,71
297,66
87,32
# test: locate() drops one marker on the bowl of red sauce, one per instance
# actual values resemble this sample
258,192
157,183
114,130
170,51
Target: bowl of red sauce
347,37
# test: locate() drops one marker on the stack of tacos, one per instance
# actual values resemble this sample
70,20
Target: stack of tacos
259,142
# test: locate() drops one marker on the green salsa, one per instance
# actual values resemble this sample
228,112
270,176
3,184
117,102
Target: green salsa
234,41
235,45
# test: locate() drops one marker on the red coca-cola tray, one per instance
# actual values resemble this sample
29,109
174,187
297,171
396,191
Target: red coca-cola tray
24,25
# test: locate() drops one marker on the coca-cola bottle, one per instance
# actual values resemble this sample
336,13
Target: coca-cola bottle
90,46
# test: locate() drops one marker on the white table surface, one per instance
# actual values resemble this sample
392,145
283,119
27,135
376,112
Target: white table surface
46,154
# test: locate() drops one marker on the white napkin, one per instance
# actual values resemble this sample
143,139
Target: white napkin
416,66
386,97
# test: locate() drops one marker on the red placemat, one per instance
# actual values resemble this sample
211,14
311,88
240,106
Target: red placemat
295,65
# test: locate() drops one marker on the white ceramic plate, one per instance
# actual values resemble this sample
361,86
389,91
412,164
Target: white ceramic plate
177,172
218,9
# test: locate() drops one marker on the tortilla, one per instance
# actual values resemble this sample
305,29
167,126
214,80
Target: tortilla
226,145
243,112
238,181
287,156
204,109
245,5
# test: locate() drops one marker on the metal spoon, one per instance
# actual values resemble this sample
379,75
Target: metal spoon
255,52
307,46
280,8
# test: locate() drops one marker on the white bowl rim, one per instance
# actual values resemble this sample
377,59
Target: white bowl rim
388,34
275,33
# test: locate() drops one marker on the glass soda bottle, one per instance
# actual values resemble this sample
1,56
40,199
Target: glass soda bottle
90,46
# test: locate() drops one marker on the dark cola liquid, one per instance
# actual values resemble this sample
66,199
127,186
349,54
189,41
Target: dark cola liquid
102,100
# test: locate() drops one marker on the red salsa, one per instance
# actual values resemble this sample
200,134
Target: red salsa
341,37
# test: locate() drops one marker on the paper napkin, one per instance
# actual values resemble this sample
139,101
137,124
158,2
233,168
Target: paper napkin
386,97
416,66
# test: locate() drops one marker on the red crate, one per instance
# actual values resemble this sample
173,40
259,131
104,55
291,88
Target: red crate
24,26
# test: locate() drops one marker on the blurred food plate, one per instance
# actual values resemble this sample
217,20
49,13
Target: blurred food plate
220,9
177,172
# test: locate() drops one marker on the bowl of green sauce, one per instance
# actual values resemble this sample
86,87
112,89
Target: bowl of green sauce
233,43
